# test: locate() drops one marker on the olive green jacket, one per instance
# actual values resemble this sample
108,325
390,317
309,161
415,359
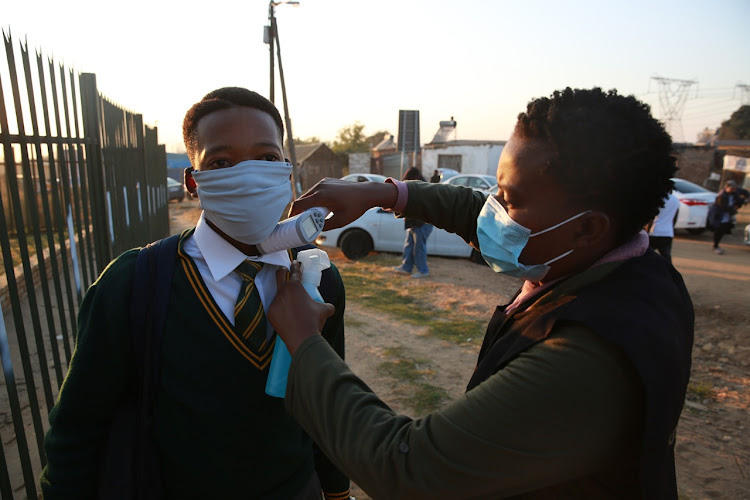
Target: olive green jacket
564,408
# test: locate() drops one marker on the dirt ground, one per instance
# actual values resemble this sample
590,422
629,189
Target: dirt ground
713,448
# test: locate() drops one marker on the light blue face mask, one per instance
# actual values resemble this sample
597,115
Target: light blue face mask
245,200
501,241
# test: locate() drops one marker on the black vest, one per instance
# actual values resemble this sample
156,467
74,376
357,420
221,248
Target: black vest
642,306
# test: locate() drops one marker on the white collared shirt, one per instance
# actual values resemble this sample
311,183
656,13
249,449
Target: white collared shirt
217,260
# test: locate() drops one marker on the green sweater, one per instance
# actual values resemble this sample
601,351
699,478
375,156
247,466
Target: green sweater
217,433
542,427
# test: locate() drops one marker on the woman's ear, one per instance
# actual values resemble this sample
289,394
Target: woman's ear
190,182
593,229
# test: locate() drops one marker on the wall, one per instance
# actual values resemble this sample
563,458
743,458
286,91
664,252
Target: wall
476,158
359,163
322,163
695,163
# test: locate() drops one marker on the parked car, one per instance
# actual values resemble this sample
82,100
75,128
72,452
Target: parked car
380,231
485,183
364,178
694,203
175,189
447,173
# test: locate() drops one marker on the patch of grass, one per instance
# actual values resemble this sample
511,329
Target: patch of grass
15,247
354,322
428,398
382,295
700,390
419,395
371,283
383,259
458,330
403,368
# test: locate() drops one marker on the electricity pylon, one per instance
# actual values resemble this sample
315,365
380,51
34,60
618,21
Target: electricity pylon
744,93
672,96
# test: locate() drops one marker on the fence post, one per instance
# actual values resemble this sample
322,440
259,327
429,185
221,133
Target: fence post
91,112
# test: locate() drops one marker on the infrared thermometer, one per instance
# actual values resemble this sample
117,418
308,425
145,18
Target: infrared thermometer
295,231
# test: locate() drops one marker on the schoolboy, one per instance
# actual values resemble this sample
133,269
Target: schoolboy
216,432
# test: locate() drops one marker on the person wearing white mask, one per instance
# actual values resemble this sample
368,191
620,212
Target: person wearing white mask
581,379
214,430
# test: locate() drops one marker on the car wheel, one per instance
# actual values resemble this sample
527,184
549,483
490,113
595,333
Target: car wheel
695,230
477,258
355,244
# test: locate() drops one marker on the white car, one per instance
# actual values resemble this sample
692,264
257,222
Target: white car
694,202
484,183
364,178
381,231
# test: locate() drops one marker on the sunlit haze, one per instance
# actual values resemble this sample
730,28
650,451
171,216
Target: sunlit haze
362,60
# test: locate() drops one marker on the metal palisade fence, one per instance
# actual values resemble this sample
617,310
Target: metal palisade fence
81,180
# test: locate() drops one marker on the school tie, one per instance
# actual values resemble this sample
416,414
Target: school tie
248,311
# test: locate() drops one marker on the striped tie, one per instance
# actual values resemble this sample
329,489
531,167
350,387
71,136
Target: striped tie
249,317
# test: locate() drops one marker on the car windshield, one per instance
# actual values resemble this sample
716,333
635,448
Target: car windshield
172,182
684,186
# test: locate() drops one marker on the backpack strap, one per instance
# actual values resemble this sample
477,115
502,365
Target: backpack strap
148,313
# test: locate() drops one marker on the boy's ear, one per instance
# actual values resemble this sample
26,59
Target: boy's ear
190,182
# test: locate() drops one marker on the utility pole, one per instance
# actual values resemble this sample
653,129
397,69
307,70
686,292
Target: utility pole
271,37
268,37
672,96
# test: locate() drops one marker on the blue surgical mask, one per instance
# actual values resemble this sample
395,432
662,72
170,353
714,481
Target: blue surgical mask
245,200
501,241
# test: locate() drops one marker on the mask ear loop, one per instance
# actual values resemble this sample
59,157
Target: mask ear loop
558,257
558,225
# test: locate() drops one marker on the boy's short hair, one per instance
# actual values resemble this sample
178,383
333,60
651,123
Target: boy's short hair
225,98
611,154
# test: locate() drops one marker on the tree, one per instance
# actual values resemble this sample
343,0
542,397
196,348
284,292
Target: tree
738,125
377,137
351,139
309,140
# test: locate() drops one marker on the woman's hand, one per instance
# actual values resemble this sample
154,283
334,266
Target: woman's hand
293,313
347,200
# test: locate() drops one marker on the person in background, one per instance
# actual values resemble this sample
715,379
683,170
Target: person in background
215,432
415,244
581,379
661,230
721,214
435,177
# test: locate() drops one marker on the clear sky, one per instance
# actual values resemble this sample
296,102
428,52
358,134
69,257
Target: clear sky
479,61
